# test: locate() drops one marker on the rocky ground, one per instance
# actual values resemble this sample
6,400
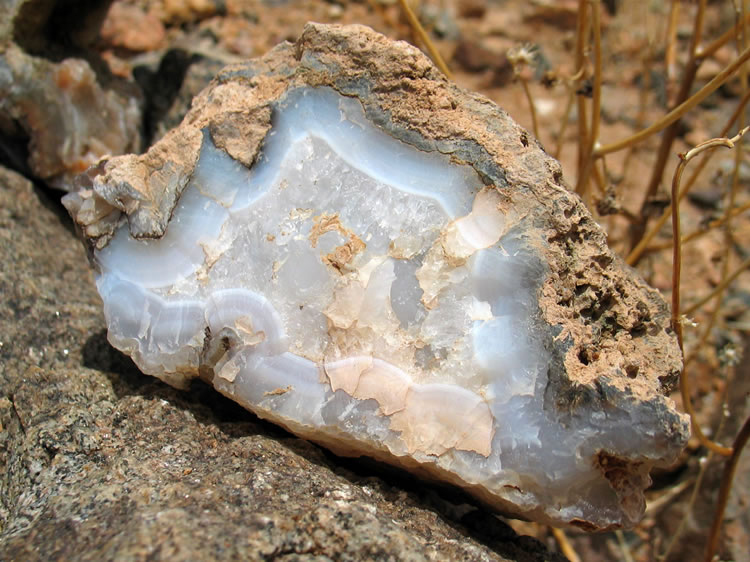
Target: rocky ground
101,462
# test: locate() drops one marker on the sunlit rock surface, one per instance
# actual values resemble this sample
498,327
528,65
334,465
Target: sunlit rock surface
69,116
387,265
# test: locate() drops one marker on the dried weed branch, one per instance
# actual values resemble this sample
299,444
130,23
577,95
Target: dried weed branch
671,117
523,58
643,245
566,548
676,273
725,282
726,486
590,154
425,39
582,26
701,231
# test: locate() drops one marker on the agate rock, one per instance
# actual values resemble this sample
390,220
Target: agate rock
99,462
349,245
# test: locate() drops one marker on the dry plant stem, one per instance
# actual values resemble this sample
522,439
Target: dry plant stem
678,111
697,28
583,188
686,513
728,238
580,62
726,486
532,108
566,548
725,282
670,56
564,122
676,272
716,294
742,43
667,138
683,108
429,45
624,548
719,42
655,506
688,405
643,91
700,232
600,175
713,224
636,252
571,82
705,335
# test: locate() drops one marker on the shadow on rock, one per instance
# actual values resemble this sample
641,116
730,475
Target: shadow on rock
125,377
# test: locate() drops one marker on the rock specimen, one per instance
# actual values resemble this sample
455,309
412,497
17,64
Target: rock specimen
85,466
347,244
71,119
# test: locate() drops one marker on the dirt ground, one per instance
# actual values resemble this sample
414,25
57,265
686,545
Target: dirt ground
638,86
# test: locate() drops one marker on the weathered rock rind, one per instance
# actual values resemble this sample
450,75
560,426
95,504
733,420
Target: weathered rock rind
608,332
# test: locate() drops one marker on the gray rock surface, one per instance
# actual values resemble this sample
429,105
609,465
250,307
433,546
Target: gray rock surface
99,462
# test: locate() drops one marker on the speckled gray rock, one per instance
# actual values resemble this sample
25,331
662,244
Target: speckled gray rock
99,462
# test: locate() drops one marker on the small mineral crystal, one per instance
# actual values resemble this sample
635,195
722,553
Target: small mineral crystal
346,244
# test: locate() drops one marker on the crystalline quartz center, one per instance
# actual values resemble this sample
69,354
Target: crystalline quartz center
368,296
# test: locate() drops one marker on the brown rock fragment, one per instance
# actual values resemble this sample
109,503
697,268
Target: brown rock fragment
130,27
70,118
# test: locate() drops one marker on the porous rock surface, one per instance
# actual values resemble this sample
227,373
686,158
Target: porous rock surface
100,462
609,355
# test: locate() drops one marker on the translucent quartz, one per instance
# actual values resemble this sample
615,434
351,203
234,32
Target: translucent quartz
366,295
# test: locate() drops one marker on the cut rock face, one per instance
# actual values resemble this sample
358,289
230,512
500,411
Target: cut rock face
346,244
